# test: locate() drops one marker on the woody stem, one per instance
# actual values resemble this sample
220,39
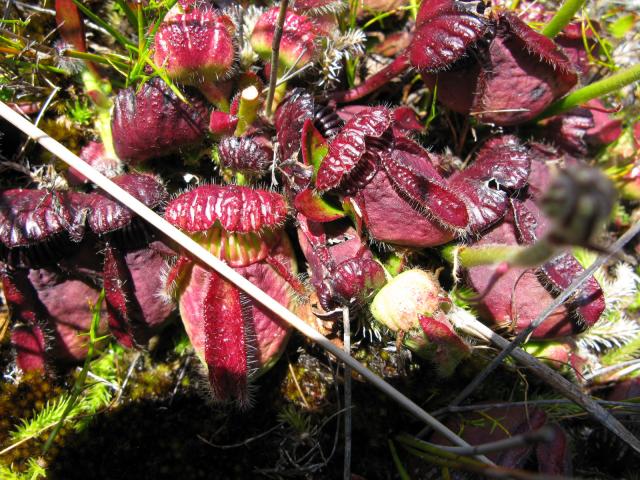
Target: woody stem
275,54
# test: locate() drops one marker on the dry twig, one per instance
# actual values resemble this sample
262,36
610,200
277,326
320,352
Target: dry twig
275,53
347,394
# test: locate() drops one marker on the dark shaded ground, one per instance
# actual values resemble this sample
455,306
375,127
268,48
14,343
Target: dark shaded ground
156,434
167,437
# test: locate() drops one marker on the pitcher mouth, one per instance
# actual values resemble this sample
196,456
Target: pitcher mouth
235,248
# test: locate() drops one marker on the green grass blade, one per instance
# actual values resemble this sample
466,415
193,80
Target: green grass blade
120,38
78,386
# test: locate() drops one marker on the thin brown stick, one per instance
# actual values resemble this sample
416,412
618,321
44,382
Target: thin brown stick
275,54
127,377
346,326
544,435
243,443
295,382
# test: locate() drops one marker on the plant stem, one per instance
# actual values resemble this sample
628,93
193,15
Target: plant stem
133,21
82,378
542,435
98,90
92,57
215,95
404,475
414,6
597,89
438,456
42,66
151,35
514,255
163,75
140,24
562,17
247,109
275,54
353,13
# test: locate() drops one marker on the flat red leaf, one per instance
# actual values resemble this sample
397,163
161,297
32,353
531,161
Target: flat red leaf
68,303
222,123
524,73
29,344
568,131
70,24
117,286
555,457
405,121
131,284
542,46
494,424
22,297
447,347
528,223
517,297
389,217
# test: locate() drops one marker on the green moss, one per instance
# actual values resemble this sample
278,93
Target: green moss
306,384
21,414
